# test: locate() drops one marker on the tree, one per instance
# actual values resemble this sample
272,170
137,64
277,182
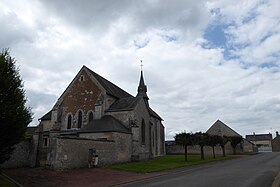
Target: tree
213,140
222,142
14,116
234,141
201,139
185,139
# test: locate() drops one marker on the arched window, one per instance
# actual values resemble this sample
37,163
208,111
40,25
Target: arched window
143,134
90,117
69,121
80,119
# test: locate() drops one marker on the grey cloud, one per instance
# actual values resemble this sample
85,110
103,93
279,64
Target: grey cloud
140,16
13,31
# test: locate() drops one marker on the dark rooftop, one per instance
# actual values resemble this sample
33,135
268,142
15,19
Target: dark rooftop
110,87
259,137
47,116
105,124
124,104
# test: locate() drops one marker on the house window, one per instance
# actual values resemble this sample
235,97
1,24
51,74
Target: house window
80,119
81,78
143,131
90,117
69,121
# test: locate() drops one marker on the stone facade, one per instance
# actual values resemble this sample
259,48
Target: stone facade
95,113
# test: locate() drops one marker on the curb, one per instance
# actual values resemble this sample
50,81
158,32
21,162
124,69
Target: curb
276,182
10,179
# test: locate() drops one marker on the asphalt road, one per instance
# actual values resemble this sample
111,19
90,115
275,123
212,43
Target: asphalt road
252,171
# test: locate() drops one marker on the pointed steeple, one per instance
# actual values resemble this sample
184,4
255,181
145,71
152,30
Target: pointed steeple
142,88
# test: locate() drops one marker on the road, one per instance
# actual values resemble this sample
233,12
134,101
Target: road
252,171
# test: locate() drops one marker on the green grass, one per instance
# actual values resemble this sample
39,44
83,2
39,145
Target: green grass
165,163
6,183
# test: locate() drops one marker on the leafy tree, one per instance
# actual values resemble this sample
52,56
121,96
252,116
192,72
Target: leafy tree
201,139
185,139
14,116
222,142
234,141
213,140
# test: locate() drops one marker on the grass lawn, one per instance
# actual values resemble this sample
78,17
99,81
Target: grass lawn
165,163
5,182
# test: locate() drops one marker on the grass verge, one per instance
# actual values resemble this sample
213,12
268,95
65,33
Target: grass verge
5,182
165,162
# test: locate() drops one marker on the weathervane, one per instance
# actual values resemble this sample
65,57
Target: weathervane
141,65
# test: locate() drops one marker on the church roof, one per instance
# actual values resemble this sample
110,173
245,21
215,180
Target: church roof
154,114
221,129
110,87
124,104
47,116
142,88
105,124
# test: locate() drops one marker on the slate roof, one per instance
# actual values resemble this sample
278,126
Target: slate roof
154,114
124,104
221,129
259,137
129,103
47,116
110,87
105,124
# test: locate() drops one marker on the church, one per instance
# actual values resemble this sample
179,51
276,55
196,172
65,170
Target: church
95,114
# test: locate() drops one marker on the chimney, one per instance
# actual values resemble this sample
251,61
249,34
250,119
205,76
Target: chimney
277,134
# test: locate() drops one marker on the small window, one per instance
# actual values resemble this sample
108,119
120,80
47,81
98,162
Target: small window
90,117
143,134
81,78
45,142
69,121
80,119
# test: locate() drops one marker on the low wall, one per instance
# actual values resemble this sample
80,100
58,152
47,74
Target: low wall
69,153
178,149
24,155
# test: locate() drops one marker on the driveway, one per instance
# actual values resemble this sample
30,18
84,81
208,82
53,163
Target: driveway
253,171
34,177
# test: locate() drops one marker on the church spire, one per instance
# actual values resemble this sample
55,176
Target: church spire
142,88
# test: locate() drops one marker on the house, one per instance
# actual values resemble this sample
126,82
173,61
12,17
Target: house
263,142
94,113
276,143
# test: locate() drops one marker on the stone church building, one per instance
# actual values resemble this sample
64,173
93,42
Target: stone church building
94,113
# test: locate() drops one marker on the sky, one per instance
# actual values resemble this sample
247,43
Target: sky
202,60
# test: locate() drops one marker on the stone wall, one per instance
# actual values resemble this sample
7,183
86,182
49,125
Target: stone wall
178,149
24,155
122,143
69,152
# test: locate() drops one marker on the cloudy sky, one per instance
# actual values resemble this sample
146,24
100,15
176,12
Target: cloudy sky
203,60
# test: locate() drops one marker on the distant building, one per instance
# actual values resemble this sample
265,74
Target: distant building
276,143
218,128
221,129
263,142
